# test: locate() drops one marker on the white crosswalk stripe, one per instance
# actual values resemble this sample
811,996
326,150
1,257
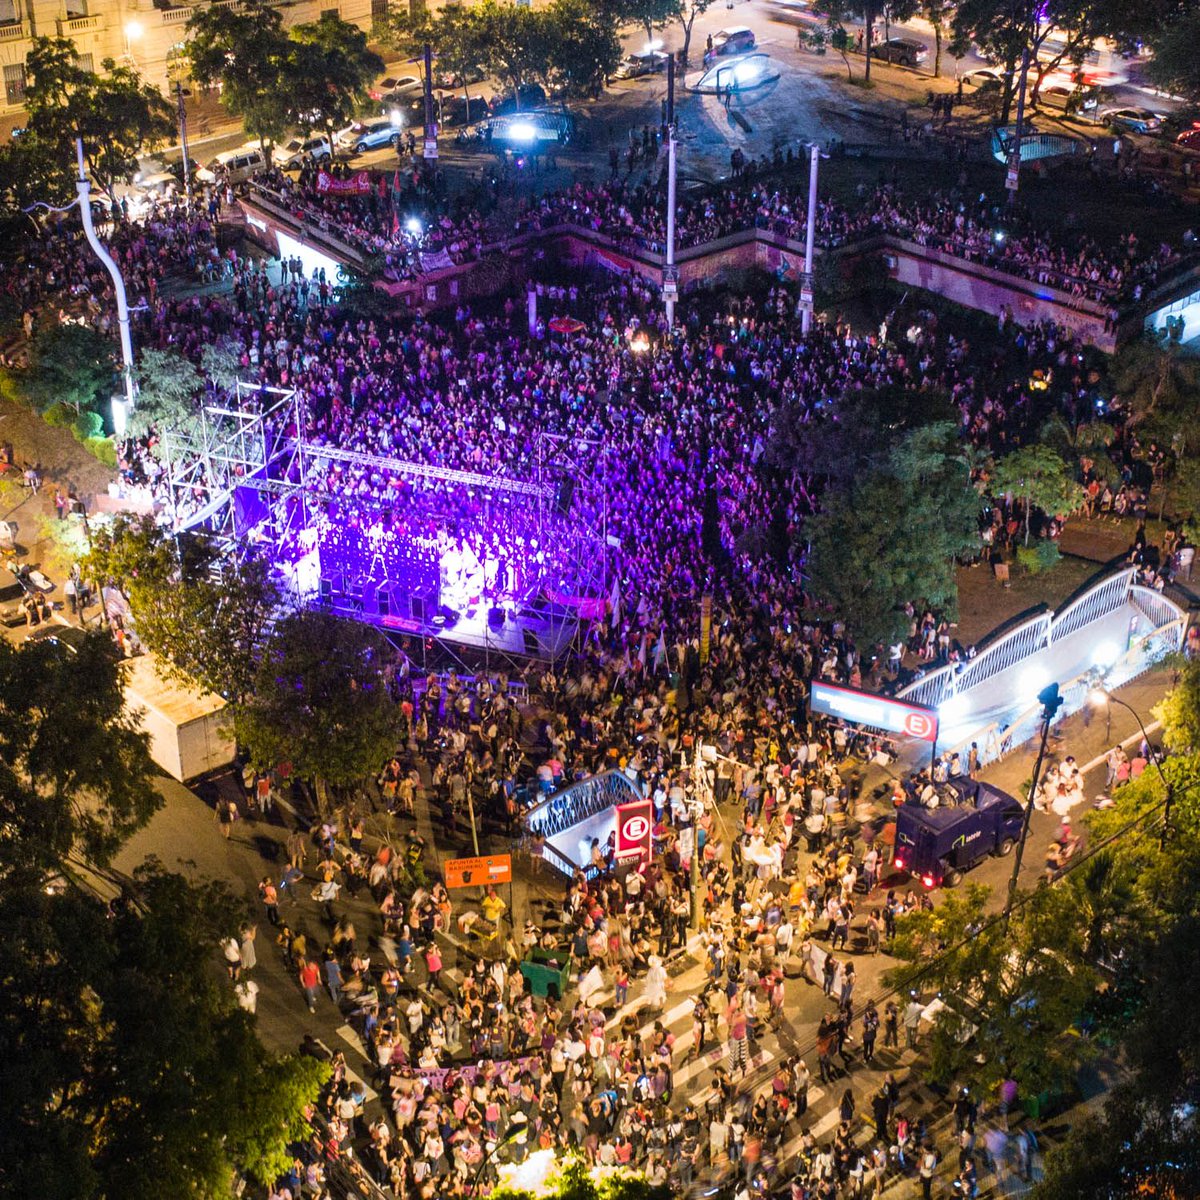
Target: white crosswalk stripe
348,1035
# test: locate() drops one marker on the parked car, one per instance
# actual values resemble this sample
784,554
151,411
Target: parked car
530,95
645,62
904,52
395,85
1189,139
370,135
296,149
234,166
1067,97
1133,120
447,81
737,39
457,113
983,77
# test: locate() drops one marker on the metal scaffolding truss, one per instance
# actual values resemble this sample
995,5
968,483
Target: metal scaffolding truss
234,445
242,476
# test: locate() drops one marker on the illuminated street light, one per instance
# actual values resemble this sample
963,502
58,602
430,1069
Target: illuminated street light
1100,697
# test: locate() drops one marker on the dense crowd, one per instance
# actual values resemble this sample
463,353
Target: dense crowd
977,230
683,427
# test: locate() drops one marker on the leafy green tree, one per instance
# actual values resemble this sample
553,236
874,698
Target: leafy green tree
837,14
71,365
1143,1142
221,364
1174,66
331,69
128,1069
519,42
320,702
118,116
209,625
892,534
1011,996
247,53
1157,382
75,774
940,15
168,387
1084,444
586,49
651,15
689,10
1038,477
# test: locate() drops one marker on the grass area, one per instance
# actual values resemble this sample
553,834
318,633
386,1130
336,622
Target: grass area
985,604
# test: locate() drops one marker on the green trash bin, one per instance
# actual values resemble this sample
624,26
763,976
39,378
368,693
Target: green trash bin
547,972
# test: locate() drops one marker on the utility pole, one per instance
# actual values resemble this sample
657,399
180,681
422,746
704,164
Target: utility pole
431,130
1012,180
1051,702
84,190
183,142
670,274
810,234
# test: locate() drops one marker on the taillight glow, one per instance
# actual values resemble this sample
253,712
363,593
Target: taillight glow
898,863
927,880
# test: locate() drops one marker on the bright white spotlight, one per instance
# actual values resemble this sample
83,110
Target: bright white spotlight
1105,654
748,71
521,131
1032,682
954,709
396,117
414,226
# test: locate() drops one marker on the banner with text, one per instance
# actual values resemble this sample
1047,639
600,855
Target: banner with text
635,822
355,185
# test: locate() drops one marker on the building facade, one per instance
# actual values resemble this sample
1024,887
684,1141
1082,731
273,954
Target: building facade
146,33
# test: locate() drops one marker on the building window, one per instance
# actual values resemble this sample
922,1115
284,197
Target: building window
76,8
14,83
86,62
331,12
8,12
379,11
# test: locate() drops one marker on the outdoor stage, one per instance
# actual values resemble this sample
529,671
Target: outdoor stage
486,561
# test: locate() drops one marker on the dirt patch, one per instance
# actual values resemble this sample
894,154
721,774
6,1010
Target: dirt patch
50,544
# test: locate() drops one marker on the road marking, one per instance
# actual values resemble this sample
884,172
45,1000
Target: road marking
348,1035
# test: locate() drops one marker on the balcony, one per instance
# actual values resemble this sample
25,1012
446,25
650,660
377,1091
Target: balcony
176,16
70,26
14,31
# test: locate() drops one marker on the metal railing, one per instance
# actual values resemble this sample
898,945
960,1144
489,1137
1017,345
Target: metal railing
1106,597
517,689
578,801
1153,605
1011,648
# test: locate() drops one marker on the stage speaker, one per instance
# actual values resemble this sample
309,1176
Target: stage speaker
326,590
564,494
383,600
532,646
496,617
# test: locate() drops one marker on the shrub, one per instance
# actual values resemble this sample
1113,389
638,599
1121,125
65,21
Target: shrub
88,425
1044,555
104,448
60,416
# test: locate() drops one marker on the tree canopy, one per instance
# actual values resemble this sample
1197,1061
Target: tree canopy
75,774
320,701
118,116
891,534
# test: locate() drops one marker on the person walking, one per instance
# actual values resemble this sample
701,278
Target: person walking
246,951
269,895
912,1020
227,813
891,1025
926,1167
333,975
870,1029
310,981
738,1050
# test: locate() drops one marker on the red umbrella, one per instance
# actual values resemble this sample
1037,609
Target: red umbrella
566,325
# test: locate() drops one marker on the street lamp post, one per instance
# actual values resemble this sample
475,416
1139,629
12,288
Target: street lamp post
84,190
1102,696
670,275
183,142
1051,702
810,235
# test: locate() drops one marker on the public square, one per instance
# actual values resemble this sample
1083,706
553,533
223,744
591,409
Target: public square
637,640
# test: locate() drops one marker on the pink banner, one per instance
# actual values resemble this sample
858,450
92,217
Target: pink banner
356,185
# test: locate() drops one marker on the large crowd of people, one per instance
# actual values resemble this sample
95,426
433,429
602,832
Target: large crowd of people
680,425
975,229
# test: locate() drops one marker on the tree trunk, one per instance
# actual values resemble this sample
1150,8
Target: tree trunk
1028,510
849,72
687,37
937,50
322,795
869,15
1010,89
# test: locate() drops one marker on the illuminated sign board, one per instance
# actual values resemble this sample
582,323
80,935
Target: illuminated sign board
865,708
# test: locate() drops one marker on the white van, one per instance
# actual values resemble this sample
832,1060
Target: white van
233,166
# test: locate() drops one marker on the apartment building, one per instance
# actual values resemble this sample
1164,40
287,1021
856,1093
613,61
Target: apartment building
147,33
